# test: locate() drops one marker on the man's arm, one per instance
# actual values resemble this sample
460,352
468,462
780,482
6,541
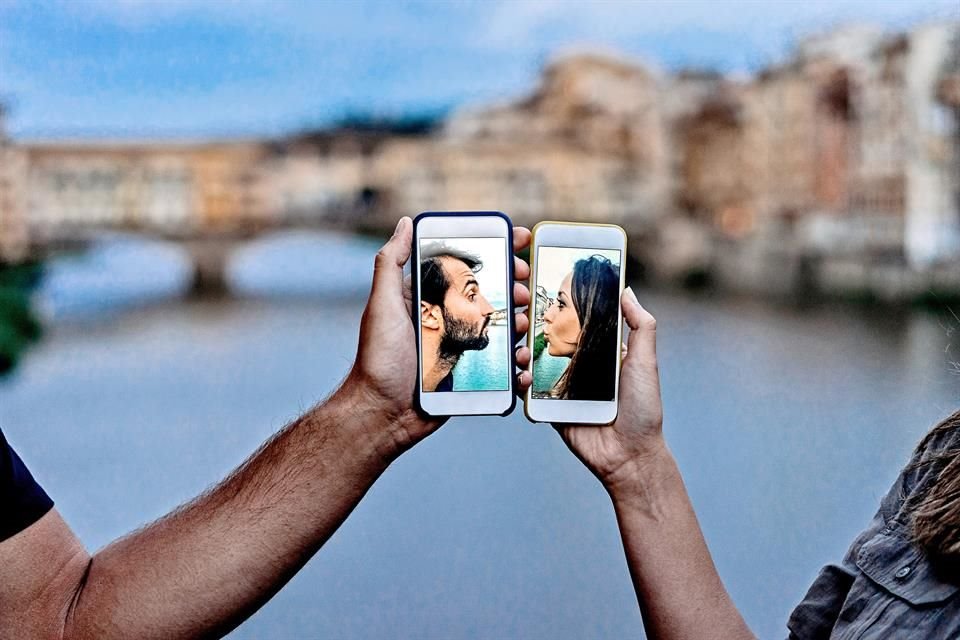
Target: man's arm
677,586
203,569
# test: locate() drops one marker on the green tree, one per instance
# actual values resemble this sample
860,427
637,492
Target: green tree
19,326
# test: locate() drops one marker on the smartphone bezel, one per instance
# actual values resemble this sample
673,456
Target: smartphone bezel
573,235
464,224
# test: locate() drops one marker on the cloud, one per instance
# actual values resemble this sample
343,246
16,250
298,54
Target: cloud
260,65
767,25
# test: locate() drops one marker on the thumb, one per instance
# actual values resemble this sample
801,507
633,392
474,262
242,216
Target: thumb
642,342
388,265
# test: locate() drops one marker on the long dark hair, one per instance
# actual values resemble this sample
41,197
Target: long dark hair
934,508
595,289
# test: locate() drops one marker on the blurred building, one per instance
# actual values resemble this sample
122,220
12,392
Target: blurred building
846,154
778,147
839,163
586,145
13,227
311,178
718,168
160,187
336,176
885,146
923,155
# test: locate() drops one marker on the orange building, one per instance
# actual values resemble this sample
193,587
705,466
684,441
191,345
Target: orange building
586,144
165,186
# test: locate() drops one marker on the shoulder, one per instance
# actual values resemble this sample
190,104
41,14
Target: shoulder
935,449
942,438
5,455
22,500
885,582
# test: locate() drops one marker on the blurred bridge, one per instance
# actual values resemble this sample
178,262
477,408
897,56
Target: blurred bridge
208,248
206,196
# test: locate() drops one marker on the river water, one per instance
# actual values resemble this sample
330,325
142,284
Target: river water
485,370
789,426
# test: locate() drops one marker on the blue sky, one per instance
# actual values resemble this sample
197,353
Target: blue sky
179,68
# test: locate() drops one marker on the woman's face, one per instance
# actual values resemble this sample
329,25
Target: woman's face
561,326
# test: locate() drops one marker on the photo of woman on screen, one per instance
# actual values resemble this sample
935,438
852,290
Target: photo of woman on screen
580,325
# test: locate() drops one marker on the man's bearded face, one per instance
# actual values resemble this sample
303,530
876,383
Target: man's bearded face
460,335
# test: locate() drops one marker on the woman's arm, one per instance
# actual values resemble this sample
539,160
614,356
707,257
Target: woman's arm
677,586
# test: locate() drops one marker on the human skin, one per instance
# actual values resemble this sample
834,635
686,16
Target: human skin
462,301
561,324
678,589
201,570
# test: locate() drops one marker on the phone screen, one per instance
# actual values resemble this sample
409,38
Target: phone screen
464,328
576,323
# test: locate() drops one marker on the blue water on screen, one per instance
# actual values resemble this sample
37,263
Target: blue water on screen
488,369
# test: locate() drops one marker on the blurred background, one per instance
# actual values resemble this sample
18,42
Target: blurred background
191,194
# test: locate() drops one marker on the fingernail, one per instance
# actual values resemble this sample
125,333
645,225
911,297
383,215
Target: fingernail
632,295
399,224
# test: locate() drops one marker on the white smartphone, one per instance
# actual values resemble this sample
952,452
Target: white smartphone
576,324
462,279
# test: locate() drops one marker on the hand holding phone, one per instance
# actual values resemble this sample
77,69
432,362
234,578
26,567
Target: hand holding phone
621,455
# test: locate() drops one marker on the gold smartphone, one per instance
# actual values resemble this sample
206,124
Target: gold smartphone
576,325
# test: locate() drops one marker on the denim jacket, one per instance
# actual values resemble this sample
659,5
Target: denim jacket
885,587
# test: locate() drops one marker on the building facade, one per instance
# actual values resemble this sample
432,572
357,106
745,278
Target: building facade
586,144
161,187
850,149
853,141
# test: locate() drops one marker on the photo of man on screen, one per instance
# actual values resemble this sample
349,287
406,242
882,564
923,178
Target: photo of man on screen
454,314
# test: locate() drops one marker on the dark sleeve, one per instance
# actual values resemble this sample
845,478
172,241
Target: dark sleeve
826,601
817,613
22,501
447,383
